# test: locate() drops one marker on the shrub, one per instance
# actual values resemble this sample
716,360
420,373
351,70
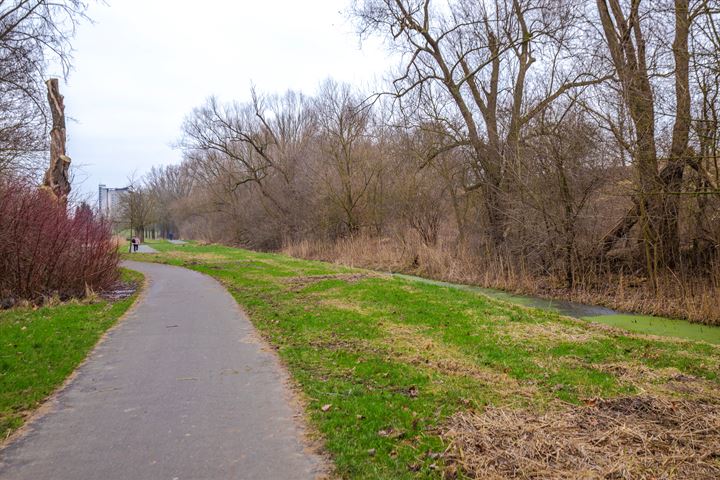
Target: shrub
46,250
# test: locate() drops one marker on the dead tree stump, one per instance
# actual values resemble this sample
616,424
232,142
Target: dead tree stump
56,177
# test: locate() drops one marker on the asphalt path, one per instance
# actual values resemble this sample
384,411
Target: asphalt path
181,389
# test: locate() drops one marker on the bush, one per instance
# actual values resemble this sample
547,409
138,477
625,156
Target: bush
46,250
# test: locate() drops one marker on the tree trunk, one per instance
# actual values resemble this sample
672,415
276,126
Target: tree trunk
656,203
56,177
681,132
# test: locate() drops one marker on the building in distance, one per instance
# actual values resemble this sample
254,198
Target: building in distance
110,202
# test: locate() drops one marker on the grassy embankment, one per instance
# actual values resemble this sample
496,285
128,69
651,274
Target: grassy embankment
40,347
395,372
689,296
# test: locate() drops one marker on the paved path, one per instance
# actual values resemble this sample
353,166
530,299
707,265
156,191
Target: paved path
181,389
143,248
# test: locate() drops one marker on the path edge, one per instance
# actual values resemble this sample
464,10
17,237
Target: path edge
311,439
50,402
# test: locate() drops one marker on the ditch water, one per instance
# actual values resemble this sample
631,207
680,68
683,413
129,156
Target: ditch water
648,324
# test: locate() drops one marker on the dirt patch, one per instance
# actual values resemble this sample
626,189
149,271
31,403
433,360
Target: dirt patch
639,437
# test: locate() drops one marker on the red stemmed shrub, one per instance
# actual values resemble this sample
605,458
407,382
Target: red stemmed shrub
47,250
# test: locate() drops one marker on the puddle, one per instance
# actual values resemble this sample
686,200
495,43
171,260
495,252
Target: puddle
647,324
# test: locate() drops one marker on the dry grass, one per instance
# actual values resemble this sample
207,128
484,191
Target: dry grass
639,437
298,283
548,332
691,298
195,257
664,382
346,305
410,345
120,241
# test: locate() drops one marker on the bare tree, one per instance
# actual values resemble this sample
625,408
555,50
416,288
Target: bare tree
481,55
346,169
168,186
656,204
251,143
137,210
31,33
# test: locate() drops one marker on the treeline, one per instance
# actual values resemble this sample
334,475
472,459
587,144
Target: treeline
532,144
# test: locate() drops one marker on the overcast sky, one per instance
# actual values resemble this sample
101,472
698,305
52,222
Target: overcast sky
144,64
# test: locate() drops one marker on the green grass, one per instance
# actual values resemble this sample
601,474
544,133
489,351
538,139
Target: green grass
40,347
646,324
394,358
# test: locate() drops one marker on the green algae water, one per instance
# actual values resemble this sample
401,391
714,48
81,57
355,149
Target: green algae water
648,324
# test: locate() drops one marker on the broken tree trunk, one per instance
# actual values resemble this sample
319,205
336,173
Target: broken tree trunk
56,177
668,175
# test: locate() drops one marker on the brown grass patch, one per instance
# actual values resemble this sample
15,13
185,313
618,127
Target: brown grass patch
298,283
197,257
548,332
665,382
347,305
410,345
640,437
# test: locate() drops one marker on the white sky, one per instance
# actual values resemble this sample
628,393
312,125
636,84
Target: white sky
144,64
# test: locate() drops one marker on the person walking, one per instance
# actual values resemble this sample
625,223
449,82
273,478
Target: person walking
135,242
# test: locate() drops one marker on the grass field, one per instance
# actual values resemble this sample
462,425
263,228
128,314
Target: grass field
40,347
410,380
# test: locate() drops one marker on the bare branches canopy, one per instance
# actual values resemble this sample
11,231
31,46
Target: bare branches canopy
32,33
